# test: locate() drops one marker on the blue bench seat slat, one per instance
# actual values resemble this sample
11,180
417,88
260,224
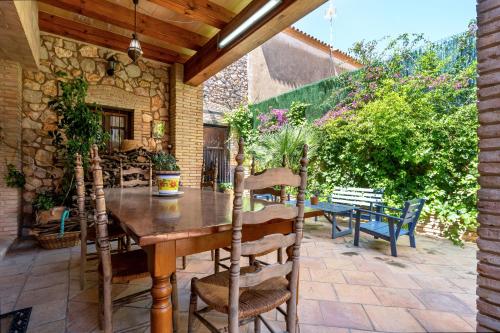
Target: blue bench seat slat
380,227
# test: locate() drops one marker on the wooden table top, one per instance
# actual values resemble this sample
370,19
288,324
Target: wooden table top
151,219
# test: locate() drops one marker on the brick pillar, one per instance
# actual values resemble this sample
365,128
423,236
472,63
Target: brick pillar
186,126
10,145
488,268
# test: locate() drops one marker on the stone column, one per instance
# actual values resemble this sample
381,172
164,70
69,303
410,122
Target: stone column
488,279
186,126
10,145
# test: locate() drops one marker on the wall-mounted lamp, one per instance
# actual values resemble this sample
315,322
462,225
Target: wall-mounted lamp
110,67
259,14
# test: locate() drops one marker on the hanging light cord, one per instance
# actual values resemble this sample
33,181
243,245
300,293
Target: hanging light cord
135,18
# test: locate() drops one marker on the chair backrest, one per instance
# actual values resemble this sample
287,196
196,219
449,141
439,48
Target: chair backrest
271,177
270,193
136,174
102,240
209,175
356,196
411,212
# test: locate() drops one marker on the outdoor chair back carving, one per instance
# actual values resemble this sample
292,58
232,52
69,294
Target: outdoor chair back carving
209,175
113,268
389,227
245,293
136,174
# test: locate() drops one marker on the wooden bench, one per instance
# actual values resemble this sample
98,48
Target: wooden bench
367,198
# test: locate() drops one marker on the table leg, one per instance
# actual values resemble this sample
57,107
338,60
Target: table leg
161,262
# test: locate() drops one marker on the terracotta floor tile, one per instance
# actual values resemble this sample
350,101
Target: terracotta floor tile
390,319
48,312
346,315
362,278
402,298
437,321
327,275
82,317
339,263
42,295
314,263
465,285
436,283
304,328
355,294
47,280
441,301
310,312
317,290
53,327
397,280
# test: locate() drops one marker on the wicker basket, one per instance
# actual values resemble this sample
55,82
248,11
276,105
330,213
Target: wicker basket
53,241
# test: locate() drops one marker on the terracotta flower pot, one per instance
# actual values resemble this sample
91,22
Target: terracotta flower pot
314,200
53,214
168,181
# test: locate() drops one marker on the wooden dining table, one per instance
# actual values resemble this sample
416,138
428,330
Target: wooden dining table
169,227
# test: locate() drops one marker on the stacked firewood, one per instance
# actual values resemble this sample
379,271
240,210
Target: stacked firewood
111,164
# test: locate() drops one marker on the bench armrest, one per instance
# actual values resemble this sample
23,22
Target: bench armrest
394,218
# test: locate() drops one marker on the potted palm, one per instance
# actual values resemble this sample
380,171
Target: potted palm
167,172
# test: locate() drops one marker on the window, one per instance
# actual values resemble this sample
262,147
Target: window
118,124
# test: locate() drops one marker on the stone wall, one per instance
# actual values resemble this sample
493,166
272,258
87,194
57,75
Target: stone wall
228,88
141,88
10,145
488,268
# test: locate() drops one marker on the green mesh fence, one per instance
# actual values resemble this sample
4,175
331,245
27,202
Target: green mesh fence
459,50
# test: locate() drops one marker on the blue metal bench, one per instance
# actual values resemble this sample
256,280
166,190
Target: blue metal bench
389,227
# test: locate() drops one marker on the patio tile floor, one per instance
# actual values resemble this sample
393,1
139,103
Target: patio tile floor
343,288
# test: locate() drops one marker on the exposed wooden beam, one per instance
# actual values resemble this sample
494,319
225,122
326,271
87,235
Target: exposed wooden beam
60,26
123,17
210,59
199,10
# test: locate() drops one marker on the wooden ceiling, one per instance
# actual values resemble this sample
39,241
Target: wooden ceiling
183,31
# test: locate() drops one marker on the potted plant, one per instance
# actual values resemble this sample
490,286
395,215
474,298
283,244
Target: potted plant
167,173
315,198
46,209
226,187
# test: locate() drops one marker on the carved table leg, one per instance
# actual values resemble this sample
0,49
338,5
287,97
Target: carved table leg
161,262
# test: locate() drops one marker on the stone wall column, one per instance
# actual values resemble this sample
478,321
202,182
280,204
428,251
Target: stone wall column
10,145
488,268
186,126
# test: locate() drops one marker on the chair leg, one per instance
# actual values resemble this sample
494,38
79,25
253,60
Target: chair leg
356,228
184,262
216,260
280,255
256,325
100,307
192,308
394,251
129,243
175,303
412,241
212,255
83,262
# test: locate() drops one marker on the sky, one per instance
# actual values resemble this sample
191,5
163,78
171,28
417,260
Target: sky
356,20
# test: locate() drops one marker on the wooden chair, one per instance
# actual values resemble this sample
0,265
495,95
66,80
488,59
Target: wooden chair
209,176
392,227
269,194
113,268
244,294
88,233
136,174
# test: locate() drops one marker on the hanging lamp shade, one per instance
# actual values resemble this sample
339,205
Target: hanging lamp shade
134,50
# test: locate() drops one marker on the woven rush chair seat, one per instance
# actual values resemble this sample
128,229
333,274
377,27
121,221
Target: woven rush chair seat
114,232
128,266
264,297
